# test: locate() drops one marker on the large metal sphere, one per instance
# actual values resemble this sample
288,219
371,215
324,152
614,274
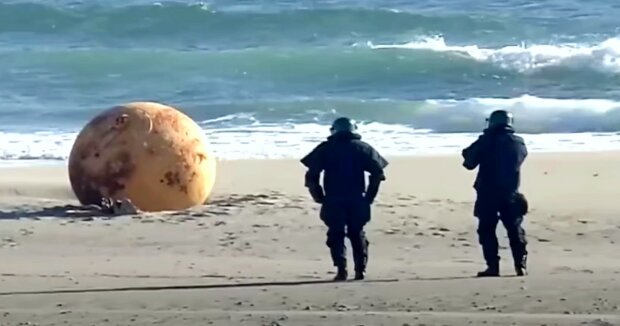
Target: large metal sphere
147,152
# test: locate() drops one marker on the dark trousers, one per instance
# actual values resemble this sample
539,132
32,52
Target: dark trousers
347,218
490,208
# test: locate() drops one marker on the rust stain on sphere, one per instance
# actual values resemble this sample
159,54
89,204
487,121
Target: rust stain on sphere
147,152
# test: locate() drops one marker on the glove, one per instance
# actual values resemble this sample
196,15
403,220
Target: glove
373,190
369,199
520,204
317,194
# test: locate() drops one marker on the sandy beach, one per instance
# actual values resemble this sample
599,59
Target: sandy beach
255,254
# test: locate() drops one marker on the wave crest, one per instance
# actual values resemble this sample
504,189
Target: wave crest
603,57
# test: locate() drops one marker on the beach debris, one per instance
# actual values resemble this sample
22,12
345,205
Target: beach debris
118,207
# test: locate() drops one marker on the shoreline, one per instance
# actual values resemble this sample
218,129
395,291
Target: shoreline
28,163
235,145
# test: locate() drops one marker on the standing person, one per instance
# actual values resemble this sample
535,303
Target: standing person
498,153
344,158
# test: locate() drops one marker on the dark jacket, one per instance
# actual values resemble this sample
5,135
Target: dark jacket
344,158
499,154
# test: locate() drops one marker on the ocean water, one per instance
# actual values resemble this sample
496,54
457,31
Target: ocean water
266,77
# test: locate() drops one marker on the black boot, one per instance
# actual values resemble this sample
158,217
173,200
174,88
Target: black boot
360,256
491,271
360,266
342,273
521,266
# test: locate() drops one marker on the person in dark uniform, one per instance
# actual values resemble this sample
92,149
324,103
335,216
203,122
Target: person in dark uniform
499,153
345,202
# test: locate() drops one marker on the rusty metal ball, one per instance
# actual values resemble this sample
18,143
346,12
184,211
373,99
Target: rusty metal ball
149,153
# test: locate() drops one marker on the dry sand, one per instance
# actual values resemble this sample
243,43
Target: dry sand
255,255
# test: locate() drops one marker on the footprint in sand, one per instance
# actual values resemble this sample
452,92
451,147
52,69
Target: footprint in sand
392,231
25,232
267,202
291,206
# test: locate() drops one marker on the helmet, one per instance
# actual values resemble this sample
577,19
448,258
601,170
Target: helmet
499,118
343,125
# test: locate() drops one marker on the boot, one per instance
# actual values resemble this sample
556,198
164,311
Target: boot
360,258
491,271
342,273
521,266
